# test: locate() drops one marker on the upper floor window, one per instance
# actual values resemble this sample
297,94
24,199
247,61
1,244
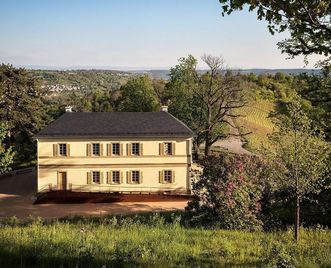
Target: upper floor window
167,176
115,177
168,148
63,149
115,150
96,176
135,149
135,176
96,149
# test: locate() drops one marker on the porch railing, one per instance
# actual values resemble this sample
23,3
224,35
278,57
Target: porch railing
112,188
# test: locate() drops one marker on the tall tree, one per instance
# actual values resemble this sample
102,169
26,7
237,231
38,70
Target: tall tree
308,22
21,106
205,102
6,155
220,96
138,95
300,155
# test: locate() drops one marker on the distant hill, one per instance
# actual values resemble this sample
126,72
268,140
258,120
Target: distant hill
164,74
102,79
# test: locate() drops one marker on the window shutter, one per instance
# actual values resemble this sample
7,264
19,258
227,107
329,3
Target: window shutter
68,149
101,177
128,176
161,149
121,177
141,147
109,177
108,148
173,176
101,149
121,149
141,177
128,149
88,149
173,145
160,176
55,149
89,179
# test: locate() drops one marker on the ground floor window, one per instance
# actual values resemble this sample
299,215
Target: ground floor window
96,176
115,177
135,176
167,176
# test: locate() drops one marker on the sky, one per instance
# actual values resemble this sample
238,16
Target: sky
134,34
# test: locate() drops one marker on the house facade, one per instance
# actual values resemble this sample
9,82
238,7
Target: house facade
115,152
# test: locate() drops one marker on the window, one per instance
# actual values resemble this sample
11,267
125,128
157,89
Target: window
167,177
115,149
96,148
168,148
135,176
63,149
135,150
96,176
115,177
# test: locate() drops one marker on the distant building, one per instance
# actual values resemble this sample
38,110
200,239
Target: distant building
147,152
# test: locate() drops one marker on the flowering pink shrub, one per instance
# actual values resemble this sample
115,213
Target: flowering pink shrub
228,192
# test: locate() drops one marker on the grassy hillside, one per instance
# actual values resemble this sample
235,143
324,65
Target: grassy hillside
256,120
154,240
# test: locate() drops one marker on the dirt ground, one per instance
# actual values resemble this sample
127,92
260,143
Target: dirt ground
17,195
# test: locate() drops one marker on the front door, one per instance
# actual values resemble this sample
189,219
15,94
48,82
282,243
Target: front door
62,180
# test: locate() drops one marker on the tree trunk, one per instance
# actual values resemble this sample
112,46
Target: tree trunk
207,144
297,219
195,150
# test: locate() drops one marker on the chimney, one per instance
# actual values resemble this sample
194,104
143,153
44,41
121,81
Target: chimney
68,109
164,108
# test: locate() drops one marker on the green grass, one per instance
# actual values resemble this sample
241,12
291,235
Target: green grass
256,120
153,240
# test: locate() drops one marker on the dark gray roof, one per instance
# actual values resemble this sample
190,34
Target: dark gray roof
116,124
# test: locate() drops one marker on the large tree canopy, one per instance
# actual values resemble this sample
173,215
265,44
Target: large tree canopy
308,21
21,107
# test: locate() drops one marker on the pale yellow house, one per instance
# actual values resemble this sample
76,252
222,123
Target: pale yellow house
145,152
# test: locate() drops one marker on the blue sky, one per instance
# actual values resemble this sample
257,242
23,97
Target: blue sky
132,33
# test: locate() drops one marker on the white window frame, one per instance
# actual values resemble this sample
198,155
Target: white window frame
99,149
114,149
117,172
167,176
135,175
93,179
135,148
168,148
61,145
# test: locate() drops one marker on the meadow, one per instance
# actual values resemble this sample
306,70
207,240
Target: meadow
154,240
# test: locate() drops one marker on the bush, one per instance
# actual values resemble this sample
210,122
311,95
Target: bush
228,193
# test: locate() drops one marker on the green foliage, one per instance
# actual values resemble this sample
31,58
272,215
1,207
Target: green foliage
152,240
205,102
308,22
22,109
299,151
228,192
138,95
6,155
21,106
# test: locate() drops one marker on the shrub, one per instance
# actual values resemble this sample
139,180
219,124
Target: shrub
228,192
